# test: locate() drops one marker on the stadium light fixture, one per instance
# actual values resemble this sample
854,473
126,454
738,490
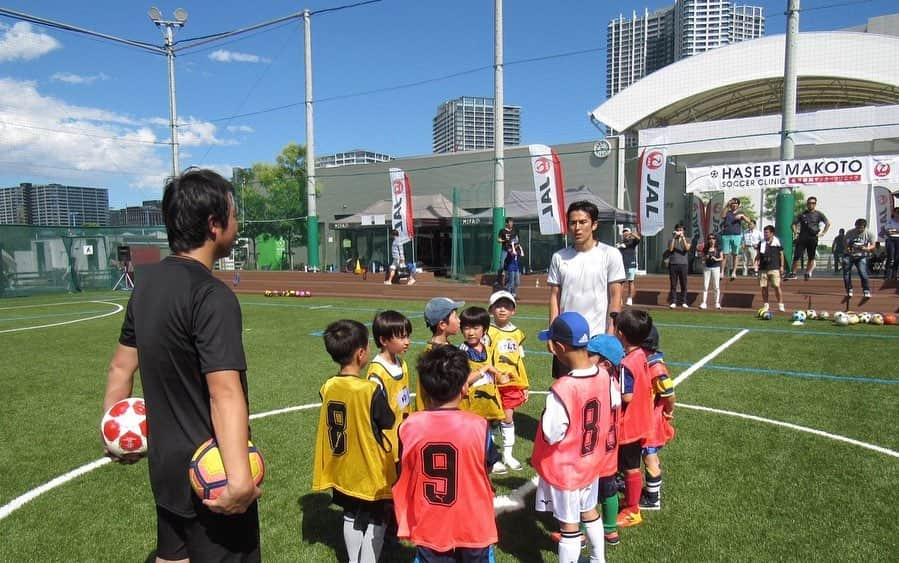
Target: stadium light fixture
168,33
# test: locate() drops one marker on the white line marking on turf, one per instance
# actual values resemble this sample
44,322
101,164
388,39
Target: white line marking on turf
118,309
17,502
837,437
708,358
503,503
321,307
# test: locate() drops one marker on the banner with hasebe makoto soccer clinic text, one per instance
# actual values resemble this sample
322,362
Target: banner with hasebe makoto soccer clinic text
833,171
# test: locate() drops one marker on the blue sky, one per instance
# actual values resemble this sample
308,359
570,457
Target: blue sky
82,111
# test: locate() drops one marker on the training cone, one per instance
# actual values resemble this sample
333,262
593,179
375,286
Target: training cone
358,269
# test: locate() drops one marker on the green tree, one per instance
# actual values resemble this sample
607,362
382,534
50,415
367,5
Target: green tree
273,197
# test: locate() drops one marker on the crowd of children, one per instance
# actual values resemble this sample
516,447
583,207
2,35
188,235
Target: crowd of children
421,472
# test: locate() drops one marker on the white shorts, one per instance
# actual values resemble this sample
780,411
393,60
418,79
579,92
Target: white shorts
566,506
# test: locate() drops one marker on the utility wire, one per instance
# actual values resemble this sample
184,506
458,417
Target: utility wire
83,134
66,27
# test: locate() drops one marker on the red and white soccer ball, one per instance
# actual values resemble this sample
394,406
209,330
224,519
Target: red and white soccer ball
124,428
207,470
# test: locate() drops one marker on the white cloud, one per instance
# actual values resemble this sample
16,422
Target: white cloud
225,56
72,78
192,131
20,42
240,129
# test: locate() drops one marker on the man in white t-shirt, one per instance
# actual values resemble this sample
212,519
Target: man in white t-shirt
587,278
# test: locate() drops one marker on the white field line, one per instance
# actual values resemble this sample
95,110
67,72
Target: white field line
19,501
708,358
118,308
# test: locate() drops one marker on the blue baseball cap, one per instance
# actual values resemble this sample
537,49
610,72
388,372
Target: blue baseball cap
439,309
608,347
568,328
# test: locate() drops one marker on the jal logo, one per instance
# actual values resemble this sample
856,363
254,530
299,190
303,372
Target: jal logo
542,165
882,169
398,187
654,160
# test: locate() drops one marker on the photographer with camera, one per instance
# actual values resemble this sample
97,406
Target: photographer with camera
859,244
678,247
732,220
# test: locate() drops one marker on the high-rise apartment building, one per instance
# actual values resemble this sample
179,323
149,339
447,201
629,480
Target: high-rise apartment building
350,158
466,124
54,205
641,45
147,214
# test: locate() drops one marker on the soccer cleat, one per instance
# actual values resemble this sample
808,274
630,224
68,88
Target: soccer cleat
629,517
612,538
511,463
781,308
790,276
499,468
648,504
765,307
848,293
866,293
556,537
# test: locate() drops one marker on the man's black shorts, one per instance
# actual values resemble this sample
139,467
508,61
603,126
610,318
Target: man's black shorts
458,555
208,536
629,456
808,245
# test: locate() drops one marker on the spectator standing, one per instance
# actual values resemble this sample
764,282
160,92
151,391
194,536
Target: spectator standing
770,264
711,260
732,220
513,267
752,238
505,237
678,248
839,249
807,227
890,233
859,244
398,260
628,248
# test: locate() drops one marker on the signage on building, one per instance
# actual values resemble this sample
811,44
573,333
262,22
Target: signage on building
783,173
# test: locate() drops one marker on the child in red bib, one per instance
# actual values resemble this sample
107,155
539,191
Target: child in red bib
632,327
661,431
572,439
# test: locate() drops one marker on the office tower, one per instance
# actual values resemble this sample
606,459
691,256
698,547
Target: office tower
466,124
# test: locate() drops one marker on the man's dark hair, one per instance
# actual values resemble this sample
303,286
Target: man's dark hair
189,201
443,371
769,228
585,206
811,199
861,223
475,316
634,325
508,220
343,339
388,324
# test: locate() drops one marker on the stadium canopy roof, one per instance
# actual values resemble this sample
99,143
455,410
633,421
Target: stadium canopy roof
835,70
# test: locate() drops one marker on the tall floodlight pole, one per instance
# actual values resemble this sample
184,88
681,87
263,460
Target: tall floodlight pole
312,217
168,33
784,208
499,137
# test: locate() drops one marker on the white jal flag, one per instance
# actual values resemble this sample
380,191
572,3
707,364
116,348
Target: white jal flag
401,196
651,217
550,189
883,205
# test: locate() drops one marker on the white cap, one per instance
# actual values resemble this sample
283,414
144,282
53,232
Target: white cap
502,294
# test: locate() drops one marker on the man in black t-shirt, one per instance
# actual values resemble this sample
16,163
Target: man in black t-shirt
183,330
628,248
807,227
504,238
769,263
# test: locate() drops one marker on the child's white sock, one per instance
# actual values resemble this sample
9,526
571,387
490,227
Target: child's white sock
570,547
353,538
508,432
372,543
595,535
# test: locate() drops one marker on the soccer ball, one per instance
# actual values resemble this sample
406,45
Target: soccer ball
824,316
766,316
853,319
840,318
876,319
889,319
207,471
811,314
124,428
799,317
761,312
865,318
